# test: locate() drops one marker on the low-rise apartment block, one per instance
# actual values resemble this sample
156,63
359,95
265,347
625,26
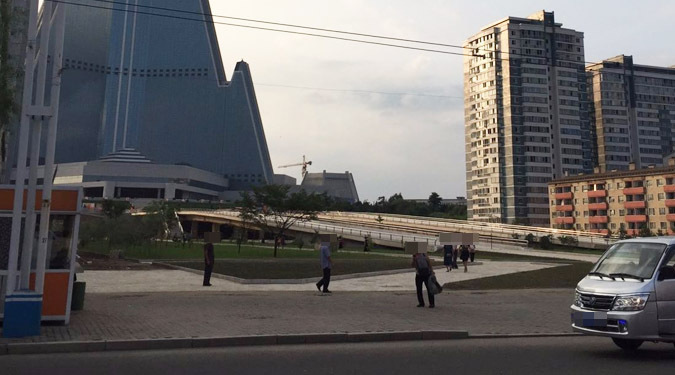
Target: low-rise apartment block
631,199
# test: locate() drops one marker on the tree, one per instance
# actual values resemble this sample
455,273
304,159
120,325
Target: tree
8,105
275,210
623,234
164,215
609,233
379,219
644,231
113,209
435,201
530,239
247,213
545,242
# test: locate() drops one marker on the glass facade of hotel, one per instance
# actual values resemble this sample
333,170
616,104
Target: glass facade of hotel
135,81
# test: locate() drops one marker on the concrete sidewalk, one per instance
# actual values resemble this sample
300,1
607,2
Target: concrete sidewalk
181,315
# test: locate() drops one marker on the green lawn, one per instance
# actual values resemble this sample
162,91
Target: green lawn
223,250
559,277
297,268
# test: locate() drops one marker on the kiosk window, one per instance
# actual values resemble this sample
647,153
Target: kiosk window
60,241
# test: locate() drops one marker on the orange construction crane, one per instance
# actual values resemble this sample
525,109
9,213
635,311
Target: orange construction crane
304,165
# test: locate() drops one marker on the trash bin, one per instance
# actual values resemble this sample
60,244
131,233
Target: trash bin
77,302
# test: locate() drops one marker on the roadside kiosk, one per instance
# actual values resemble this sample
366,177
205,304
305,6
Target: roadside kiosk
64,222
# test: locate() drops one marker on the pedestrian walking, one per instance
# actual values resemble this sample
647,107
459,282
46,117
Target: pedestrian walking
423,271
366,241
455,253
472,252
447,257
209,259
326,265
464,256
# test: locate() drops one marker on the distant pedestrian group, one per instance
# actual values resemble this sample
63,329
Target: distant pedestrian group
450,253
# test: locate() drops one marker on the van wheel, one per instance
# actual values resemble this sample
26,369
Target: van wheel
628,345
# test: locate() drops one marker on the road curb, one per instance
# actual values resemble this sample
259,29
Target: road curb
522,335
254,340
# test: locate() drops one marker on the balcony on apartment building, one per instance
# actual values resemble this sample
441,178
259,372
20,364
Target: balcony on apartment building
564,217
563,192
563,195
598,219
670,185
635,201
670,201
599,228
596,191
636,218
634,190
564,220
597,203
564,208
670,216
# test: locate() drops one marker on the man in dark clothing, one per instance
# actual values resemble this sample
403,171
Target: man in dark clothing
422,265
209,258
326,265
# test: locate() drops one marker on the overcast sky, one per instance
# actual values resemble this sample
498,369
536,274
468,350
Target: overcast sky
409,144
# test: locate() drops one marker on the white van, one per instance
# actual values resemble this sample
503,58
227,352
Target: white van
629,295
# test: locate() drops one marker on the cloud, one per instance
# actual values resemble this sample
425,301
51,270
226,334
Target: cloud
397,143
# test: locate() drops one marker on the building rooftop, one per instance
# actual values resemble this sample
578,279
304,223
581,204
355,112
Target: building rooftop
651,171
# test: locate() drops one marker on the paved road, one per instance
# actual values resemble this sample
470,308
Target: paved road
562,355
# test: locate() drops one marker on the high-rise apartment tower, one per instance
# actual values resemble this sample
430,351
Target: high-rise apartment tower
633,112
526,116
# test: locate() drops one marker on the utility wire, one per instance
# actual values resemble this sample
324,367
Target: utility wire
128,5
257,27
285,24
321,29
113,2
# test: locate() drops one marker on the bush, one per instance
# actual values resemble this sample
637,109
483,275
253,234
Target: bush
515,236
299,242
545,242
530,239
623,234
568,240
645,232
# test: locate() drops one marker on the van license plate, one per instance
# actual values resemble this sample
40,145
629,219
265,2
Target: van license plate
590,318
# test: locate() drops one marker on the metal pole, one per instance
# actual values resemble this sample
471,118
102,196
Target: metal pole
29,227
23,148
29,222
57,64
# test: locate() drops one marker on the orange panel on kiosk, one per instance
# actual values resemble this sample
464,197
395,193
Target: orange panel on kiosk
6,199
62,200
55,295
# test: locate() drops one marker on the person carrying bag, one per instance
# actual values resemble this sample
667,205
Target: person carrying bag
423,269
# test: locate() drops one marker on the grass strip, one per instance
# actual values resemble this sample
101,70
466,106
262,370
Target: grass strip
558,277
295,268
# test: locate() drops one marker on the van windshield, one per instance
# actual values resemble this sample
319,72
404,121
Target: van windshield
631,258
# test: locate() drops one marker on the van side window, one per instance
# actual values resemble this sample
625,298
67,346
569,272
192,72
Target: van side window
670,259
